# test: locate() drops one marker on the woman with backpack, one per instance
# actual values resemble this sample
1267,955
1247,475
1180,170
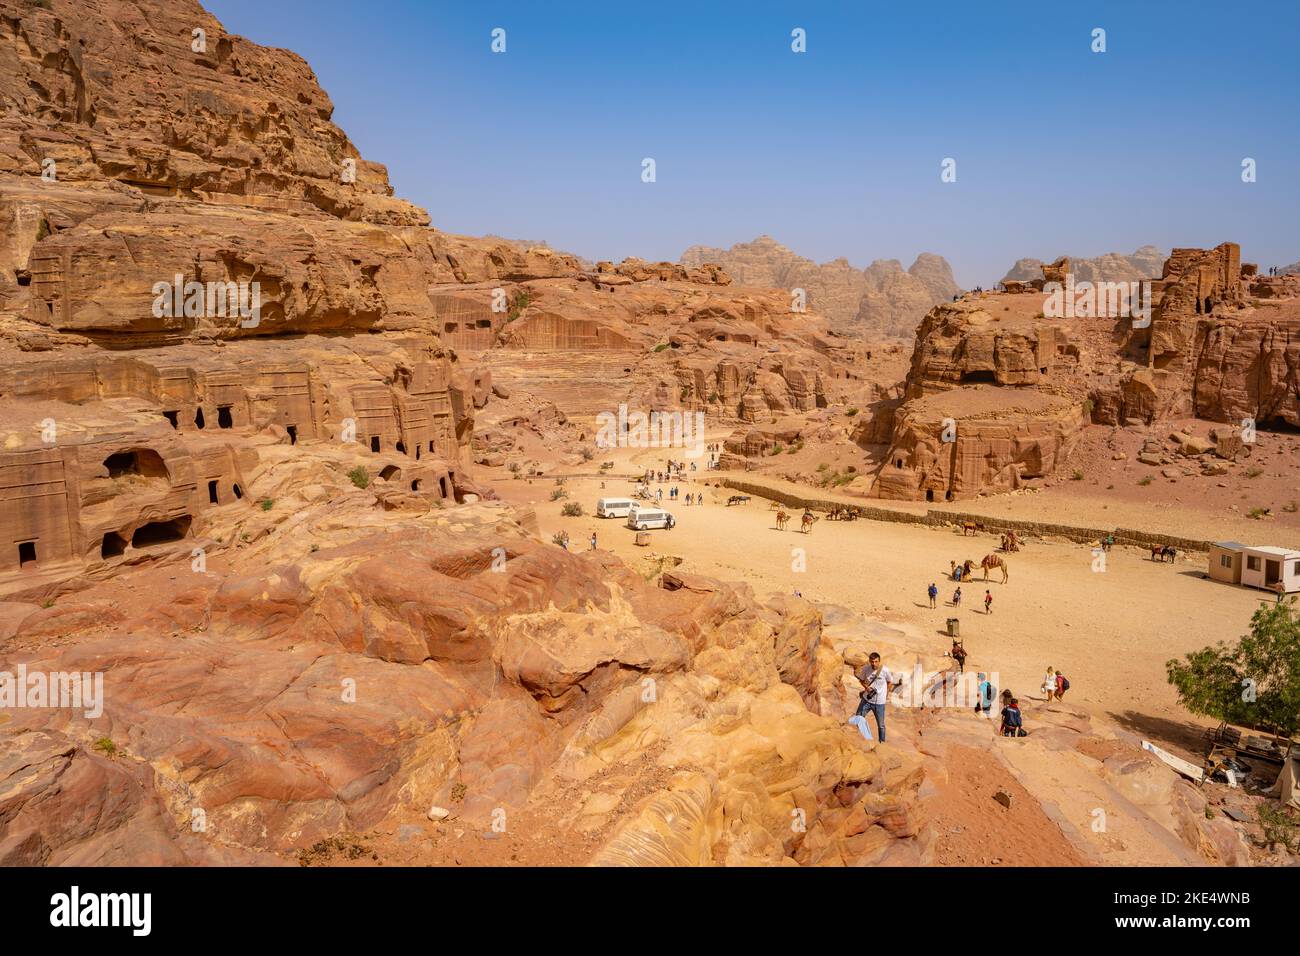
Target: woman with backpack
1062,685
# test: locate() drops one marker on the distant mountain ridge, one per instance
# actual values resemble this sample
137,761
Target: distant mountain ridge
882,300
1146,262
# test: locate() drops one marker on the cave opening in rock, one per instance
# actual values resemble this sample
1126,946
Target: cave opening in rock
983,376
374,443
293,433
224,419
161,532
26,554
172,419
198,417
137,461
212,492
389,472
113,545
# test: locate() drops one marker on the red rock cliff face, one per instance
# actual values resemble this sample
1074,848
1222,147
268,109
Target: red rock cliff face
309,618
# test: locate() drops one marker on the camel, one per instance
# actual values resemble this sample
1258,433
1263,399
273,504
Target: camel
1010,542
782,519
806,522
968,528
994,561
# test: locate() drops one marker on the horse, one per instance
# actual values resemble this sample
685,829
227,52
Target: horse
782,519
806,522
1162,553
737,500
968,528
994,561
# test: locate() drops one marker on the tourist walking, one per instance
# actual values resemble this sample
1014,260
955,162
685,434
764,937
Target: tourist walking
593,541
933,591
1049,685
877,682
1062,685
988,601
956,598
985,692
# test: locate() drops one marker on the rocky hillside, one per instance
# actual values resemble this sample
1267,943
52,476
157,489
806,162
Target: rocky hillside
263,531
882,301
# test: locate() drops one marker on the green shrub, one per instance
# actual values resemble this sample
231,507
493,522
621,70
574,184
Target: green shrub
661,346
572,509
1146,481
106,746
851,412
359,477
559,493
268,504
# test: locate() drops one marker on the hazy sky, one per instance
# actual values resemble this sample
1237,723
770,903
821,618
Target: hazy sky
836,151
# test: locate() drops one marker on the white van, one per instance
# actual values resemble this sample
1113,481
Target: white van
645,518
614,507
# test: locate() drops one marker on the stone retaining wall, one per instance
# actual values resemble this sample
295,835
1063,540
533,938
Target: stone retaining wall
1037,529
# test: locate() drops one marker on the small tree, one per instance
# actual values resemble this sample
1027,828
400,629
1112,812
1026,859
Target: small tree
1256,683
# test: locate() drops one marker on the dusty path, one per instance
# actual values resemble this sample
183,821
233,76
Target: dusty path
1110,632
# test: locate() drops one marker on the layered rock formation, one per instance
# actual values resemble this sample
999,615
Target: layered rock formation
240,382
1208,350
881,301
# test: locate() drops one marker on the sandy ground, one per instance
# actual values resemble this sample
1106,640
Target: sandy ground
1110,632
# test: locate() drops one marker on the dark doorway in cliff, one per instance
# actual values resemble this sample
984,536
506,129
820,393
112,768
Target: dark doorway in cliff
198,418
293,433
415,485
929,494
26,554
224,419
113,546
161,532
442,487
980,377
947,495
172,419
239,492
390,472
139,461
401,447
374,443
417,452
212,493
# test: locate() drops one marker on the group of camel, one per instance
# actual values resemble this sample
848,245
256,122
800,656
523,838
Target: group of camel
806,521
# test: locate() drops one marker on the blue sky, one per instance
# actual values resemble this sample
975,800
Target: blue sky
836,151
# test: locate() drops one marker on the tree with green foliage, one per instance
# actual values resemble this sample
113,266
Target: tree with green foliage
1255,683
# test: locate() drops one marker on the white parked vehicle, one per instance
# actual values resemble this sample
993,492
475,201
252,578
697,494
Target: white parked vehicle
615,507
643,519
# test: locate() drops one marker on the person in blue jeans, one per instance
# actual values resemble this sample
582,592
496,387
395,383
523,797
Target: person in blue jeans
877,682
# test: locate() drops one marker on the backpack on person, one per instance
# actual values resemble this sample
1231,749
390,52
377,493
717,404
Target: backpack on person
1065,683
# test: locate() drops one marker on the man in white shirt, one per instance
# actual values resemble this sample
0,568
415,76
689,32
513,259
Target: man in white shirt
877,682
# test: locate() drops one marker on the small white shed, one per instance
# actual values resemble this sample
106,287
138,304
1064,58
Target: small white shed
1265,567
